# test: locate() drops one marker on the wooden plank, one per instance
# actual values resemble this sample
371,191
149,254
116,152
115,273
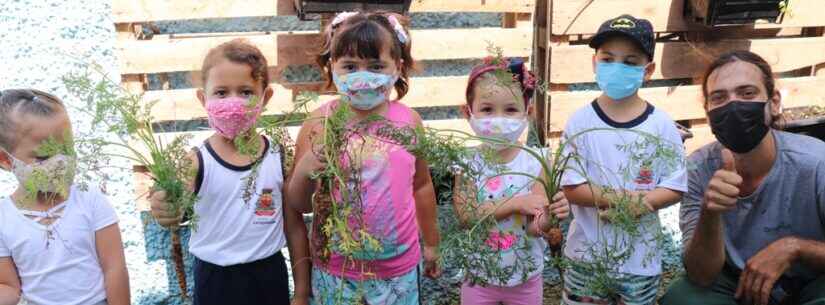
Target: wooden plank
701,137
685,102
571,63
573,17
182,104
124,11
165,53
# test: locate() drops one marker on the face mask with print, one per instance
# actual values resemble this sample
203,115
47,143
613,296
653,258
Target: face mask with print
503,129
364,90
54,175
619,80
232,116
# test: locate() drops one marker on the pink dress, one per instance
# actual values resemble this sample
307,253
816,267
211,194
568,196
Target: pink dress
387,173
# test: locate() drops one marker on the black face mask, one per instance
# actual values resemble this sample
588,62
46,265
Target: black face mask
739,126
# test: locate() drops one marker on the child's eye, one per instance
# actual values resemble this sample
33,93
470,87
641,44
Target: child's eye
630,63
220,93
377,67
247,93
606,60
486,109
349,67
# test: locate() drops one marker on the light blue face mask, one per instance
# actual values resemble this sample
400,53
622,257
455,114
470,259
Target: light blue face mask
619,80
364,90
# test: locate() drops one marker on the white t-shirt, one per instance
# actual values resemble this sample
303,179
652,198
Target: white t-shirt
511,235
67,271
607,161
230,230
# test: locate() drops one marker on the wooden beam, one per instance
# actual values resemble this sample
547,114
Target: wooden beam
124,11
572,17
165,53
701,137
685,102
675,60
182,104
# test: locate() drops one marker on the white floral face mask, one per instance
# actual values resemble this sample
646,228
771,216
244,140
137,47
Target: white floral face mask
500,128
53,175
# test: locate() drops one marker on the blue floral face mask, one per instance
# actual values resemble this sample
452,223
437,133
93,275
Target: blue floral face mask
619,80
364,90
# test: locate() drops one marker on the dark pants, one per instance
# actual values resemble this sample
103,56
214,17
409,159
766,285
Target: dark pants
684,292
263,282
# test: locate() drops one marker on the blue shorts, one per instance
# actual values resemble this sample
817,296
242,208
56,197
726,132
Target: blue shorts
328,289
631,290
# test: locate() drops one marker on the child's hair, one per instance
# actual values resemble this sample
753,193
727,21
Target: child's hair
521,76
238,51
365,35
749,57
16,102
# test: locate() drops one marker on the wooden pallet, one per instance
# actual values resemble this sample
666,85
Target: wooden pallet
141,55
794,47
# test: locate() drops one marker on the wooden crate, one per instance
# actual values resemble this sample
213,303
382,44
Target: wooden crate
795,48
141,55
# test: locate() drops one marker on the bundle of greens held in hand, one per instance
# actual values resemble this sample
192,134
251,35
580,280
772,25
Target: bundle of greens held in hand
632,223
128,117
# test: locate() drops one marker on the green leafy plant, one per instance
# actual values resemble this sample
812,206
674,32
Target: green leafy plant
124,114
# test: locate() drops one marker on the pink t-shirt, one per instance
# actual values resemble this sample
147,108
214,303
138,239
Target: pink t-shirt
388,211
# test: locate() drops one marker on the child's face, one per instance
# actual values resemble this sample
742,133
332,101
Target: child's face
230,79
34,131
385,64
491,99
622,50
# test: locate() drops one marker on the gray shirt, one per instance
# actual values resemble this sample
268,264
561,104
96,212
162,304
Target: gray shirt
789,202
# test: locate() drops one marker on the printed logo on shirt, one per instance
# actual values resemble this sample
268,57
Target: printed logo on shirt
644,179
264,209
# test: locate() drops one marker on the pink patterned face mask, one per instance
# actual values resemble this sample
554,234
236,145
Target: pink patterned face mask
232,116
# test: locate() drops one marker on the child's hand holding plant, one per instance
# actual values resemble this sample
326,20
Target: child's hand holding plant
161,211
633,204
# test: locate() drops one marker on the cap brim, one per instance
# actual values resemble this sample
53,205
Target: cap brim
600,38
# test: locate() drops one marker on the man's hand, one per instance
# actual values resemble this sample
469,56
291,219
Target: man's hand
764,269
723,189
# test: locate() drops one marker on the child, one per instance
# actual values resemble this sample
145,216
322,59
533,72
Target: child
59,244
623,60
237,245
366,55
519,204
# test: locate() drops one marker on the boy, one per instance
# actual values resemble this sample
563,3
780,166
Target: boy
622,62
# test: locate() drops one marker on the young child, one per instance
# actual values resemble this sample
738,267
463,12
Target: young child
237,245
623,61
366,55
500,111
59,244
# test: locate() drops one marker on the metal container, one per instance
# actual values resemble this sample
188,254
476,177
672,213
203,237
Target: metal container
310,9
734,12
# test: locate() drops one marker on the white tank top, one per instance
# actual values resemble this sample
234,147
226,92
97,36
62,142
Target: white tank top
230,230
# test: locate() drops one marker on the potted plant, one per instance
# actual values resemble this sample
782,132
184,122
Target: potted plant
806,120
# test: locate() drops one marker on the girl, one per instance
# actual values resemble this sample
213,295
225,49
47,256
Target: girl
237,245
59,244
500,111
366,55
